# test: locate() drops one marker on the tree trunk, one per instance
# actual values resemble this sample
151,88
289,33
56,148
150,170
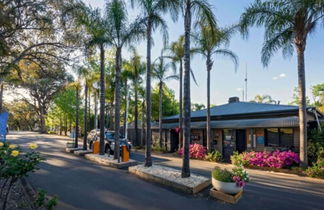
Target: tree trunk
302,107
96,111
102,100
66,125
125,113
186,99
1,97
136,109
160,113
181,107
85,117
77,119
143,141
117,102
89,109
126,117
42,117
209,67
148,158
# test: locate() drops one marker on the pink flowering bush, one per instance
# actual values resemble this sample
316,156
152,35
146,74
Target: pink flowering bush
196,151
276,159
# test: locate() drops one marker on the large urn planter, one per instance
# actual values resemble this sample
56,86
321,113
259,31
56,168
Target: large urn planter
226,187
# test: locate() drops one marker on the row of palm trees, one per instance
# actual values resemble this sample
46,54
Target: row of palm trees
287,24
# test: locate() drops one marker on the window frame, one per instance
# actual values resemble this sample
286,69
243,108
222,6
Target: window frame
279,135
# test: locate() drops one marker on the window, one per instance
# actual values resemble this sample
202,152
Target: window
272,137
279,137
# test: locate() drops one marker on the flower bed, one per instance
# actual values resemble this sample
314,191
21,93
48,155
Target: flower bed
196,151
276,159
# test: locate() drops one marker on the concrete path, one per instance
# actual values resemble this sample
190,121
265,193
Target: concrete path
80,184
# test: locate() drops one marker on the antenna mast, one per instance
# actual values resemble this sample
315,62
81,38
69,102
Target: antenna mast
246,82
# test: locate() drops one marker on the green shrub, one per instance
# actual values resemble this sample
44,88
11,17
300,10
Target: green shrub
214,156
315,171
222,175
315,148
238,159
157,148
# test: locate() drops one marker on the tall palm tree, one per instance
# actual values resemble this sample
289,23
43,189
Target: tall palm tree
121,34
200,9
160,72
287,26
98,34
209,42
153,11
176,53
138,68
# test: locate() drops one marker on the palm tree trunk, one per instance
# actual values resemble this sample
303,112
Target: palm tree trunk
117,102
181,107
187,101
1,97
136,111
85,117
126,118
96,110
143,141
102,100
125,114
302,107
160,112
209,67
89,109
148,158
76,143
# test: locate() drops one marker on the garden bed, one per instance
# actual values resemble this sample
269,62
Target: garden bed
171,177
82,152
72,150
109,161
295,170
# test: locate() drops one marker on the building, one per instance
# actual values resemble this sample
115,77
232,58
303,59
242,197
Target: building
242,126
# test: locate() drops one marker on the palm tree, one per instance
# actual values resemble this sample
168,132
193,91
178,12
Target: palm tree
200,9
152,18
160,70
138,68
267,99
287,26
98,34
176,53
209,42
121,34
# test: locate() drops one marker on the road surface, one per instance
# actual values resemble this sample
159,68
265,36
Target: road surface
80,184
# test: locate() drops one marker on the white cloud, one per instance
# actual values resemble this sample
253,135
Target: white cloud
239,89
274,78
282,75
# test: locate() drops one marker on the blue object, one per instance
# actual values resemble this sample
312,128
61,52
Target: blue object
260,140
3,125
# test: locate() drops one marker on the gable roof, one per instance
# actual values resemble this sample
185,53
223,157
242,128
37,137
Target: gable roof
240,108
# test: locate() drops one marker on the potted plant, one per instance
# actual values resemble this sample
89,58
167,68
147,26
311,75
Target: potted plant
229,182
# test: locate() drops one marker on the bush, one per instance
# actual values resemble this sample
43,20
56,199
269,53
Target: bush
222,175
196,151
239,159
315,148
214,156
157,148
276,159
315,171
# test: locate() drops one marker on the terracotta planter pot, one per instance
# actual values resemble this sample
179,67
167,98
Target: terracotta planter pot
226,187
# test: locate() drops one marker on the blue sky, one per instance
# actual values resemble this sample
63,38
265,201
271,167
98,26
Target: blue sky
277,80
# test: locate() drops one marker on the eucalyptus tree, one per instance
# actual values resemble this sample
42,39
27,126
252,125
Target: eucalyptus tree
288,23
201,10
152,17
121,33
176,53
160,72
97,29
209,44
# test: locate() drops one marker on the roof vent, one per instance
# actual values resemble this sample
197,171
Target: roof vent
233,100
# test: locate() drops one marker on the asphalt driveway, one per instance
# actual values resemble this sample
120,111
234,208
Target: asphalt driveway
80,184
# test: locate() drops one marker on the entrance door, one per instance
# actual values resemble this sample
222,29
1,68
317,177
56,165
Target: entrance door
240,140
174,140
